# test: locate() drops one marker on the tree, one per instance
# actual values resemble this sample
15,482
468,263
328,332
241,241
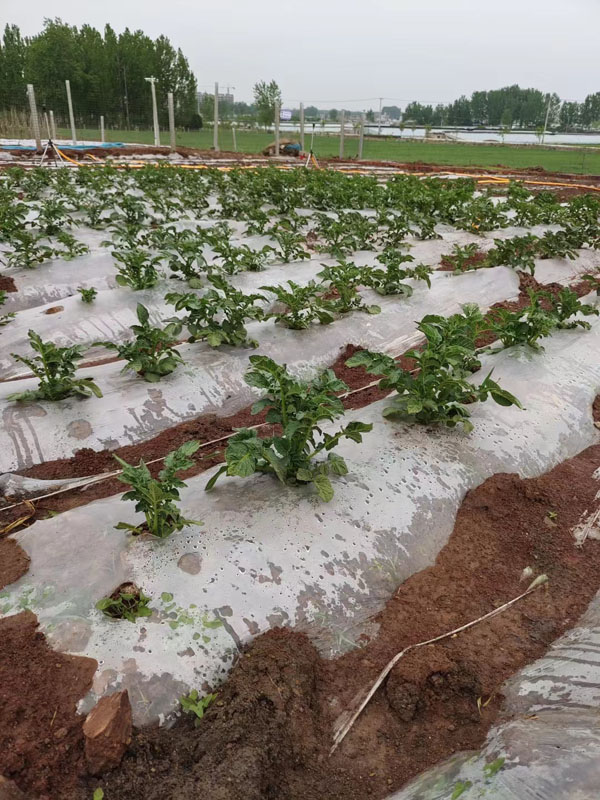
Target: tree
12,69
370,115
266,96
506,118
333,114
393,112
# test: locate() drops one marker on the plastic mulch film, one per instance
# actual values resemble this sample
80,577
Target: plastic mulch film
269,555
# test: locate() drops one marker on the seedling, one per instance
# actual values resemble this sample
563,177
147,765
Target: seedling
523,326
192,703
71,247
291,245
152,353
565,305
126,602
27,253
188,258
53,217
344,278
87,295
303,305
156,497
5,318
219,316
137,269
518,253
460,259
434,394
55,367
389,281
299,407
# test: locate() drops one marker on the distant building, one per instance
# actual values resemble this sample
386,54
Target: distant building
224,97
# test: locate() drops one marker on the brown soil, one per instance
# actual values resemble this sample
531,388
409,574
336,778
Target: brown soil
269,733
41,742
7,284
473,262
14,562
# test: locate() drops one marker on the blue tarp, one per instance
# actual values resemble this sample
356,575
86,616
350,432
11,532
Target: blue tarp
64,146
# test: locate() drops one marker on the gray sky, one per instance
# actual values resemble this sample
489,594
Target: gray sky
344,52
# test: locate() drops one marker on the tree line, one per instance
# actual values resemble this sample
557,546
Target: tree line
510,106
107,73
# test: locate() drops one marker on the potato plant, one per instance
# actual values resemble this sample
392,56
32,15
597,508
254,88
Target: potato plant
193,703
302,305
523,326
5,318
566,305
435,393
299,408
156,497
343,279
390,280
220,315
136,269
152,353
126,602
55,368
461,256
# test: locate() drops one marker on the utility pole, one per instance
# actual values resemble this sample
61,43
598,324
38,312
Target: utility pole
172,137
342,126
301,126
152,81
35,122
379,121
216,120
361,136
71,117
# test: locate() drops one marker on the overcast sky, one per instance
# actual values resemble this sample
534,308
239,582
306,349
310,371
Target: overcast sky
335,52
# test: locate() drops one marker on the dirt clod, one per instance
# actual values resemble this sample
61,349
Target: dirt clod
107,731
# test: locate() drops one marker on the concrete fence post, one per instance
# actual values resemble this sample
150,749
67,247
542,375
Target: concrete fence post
342,131
71,116
302,126
216,120
35,122
172,137
234,137
276,121
102,128
52,125
361,136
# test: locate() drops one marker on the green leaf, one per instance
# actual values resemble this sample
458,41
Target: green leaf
304,475
324,487
166,597
142,313
337,464
98,794
210,484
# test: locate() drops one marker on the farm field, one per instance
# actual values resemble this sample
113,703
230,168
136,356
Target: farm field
263,430
585,160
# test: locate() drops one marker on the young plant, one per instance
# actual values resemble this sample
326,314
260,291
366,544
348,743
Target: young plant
54,217
518,252
291,245
389,281
302,305
156,497
27,253
220,315
434,393
299,407
151,353
461,258
126,602
524,326
192,703
55,367
87,295
236,259
137,269
187,260
565,305
71,246
5,318
344,278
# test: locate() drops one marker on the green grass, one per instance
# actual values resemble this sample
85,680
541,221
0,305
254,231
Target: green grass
583,160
